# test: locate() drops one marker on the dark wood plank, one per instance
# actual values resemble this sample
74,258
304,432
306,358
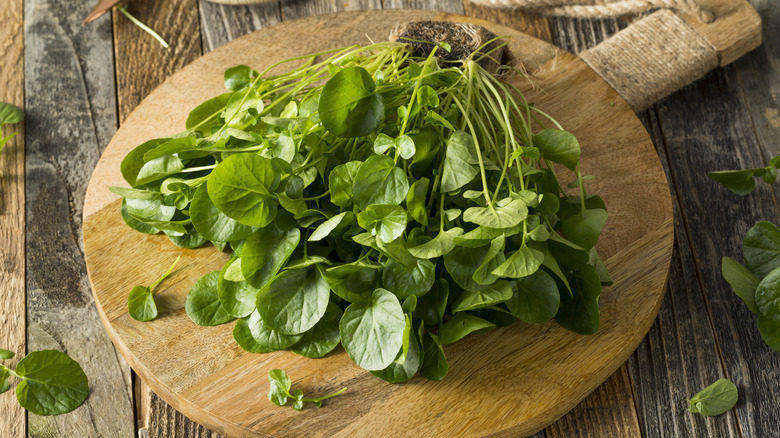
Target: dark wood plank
12,259
141,62
292,10
71,115
705,127
679,357
532,24
454,6
222,23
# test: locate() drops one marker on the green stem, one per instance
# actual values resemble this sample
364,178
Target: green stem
145,28
165,275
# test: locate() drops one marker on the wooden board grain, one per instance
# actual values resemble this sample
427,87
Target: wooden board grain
199,378
12,259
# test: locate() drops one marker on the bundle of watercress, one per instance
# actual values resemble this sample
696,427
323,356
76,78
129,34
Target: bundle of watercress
375,199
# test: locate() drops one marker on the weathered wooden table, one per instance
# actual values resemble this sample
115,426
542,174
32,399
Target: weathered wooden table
78,83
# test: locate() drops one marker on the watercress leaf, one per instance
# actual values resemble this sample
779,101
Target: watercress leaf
203,305
461,325
459,162
239,77
135,223
494,258
415,201
297,405
212,223
205,115
134,160
426,96
492,294
159,168
279,387
584,228
477,237
294,300
52,384
382,143
715,399
146,195
595,260
242,188
388,222
440,245
403,282
401,372
242,109
558,146
436,119
742,282
237,297
6,354
405,147
522,263
10,114
462,263
550,204
409,304
141,305
770,176
323,337
740,182
265,252
341,180
349,106
354,281
770,331
4,375
170,147
379,181
190,240
283,147
767,295
761,248
149,210
326,227
372,331
430,307
255,336
580,313
535,299
493,216
434,365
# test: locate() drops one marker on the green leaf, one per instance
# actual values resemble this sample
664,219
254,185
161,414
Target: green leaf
434,364
558,146
279,387
212,223
437,120
404,282
341,180
580,313
239,77
494,216
6,354
254,335
134,160
265,252
767,295
242,188
761,248
237,297
415,201
431,306
495,293
207,114
349,106
203,305
353,282
535,299
715,399
584,228
323,337
401,372
159,168
742,282
52,384
522,263
440,245
5,373
426,96
459,162
388,222
379,181
10,114
326,227
740,182
294,301
372,331
770,331
494,258
461,325
141,305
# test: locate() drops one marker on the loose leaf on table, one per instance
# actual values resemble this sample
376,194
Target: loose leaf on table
52,383
6,354
279,391
715,399
348,105
372,331
10,114
742,282
741,182
203,305
140,302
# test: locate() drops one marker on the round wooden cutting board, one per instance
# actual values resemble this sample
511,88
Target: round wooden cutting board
510,382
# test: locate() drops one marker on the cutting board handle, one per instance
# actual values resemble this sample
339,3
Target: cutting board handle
662,52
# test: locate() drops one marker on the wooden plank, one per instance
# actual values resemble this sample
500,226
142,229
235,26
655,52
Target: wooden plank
705,127
220,24
71,115
735,31
454,6
141,62
679,357
300,9
759,74
532,24
12,259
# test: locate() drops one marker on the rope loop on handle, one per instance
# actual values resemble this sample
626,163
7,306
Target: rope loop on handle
601,8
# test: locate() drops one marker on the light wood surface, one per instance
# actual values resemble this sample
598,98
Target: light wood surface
544,369
735,31
12,258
